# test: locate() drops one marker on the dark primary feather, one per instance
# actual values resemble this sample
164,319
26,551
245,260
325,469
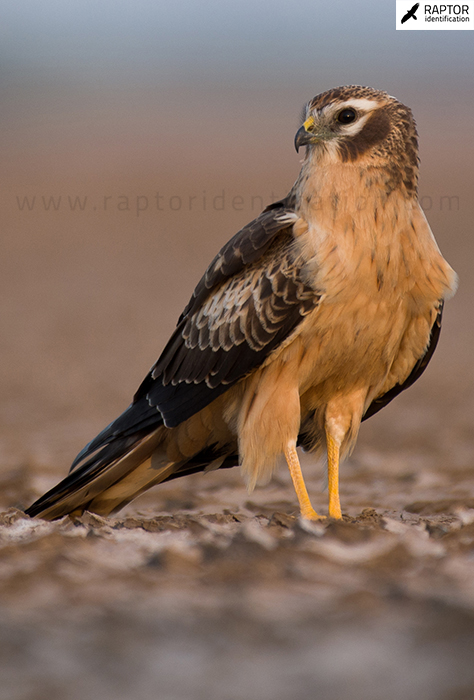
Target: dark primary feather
230,334
198,364
248,302
250,299
207,371
137,418
105,468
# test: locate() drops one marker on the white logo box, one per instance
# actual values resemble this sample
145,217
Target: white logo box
435,16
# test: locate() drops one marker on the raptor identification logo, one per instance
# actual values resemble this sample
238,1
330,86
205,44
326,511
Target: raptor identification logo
413,16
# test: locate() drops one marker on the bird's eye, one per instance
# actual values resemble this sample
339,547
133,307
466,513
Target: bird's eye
346,116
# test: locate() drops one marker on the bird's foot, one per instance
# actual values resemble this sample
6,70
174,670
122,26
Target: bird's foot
310,514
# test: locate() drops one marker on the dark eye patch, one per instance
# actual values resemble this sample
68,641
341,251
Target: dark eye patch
374,131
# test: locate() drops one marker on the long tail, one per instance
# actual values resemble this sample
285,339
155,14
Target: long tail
114,457
86,487
122,462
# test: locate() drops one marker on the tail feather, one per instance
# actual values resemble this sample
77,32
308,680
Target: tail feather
138,417
124,460
79,489
120,471
152,471
156,470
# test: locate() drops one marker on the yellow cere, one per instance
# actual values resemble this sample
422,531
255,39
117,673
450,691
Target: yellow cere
309,124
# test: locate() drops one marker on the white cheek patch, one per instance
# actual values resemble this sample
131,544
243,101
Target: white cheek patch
355,128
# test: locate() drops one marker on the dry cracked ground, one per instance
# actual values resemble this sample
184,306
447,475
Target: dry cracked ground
199,590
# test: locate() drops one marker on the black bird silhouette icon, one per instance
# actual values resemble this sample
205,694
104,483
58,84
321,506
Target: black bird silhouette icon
411,13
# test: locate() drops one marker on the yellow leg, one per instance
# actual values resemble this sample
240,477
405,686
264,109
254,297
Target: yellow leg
306,509
333,477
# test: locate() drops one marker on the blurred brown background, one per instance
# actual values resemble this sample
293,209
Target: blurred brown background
136,139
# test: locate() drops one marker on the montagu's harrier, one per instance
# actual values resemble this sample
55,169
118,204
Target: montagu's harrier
309,320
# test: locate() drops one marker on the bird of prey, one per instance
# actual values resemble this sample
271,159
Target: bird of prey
308,321
410,13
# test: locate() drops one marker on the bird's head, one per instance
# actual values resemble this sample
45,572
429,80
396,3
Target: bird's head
359,124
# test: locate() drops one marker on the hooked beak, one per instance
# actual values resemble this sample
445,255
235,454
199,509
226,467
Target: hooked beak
305,134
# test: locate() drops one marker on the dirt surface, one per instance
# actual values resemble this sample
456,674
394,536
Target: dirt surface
199,590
